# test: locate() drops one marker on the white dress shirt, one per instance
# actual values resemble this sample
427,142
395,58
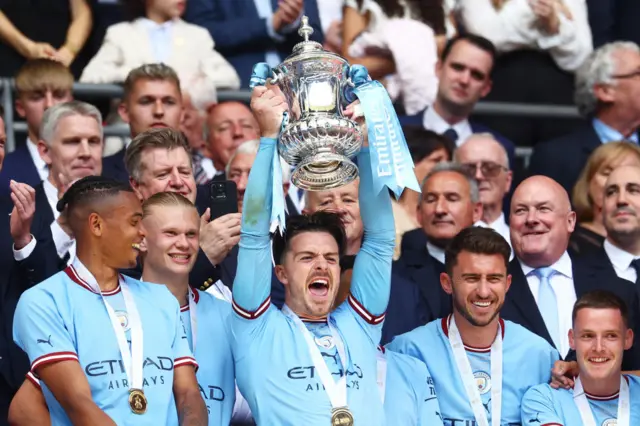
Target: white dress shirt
160,38
562,284
432,121
513,27
41,166
500,226
330,11
621,261
436,252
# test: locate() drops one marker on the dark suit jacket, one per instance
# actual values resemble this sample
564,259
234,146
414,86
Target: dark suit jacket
612,20
18,165
113,167
416,120
416,294
520,306
241,35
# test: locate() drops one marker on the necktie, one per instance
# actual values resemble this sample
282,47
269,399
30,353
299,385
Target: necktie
548,304
450,133
635,264
199,174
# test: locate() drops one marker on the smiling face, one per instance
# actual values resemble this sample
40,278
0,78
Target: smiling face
120,231
164,170
310,273
478,284
600,337
541,221
171,239
621,207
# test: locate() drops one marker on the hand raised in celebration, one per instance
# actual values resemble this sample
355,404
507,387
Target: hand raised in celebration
269,107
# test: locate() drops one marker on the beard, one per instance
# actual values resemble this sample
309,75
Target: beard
462,309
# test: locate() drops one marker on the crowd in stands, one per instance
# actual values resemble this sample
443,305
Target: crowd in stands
571,218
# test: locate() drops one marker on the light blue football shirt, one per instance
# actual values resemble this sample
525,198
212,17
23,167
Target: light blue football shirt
527,361
410,395
216,374
543,405
274,369
63,319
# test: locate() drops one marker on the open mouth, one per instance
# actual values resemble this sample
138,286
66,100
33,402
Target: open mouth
136,246
598,360
481,303
319,287
180,258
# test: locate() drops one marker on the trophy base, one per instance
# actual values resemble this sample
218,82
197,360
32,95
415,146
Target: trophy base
324,171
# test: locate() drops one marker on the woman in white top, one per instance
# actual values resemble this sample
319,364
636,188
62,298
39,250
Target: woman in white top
157,34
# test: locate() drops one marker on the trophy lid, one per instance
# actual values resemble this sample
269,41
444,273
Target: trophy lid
307,45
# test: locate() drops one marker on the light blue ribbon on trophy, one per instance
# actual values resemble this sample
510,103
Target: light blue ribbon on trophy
391,161
261,73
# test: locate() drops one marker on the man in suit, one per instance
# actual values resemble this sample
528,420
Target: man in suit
486,159
250,31
608,95
464,75
449,203
40,84
546,281
612,20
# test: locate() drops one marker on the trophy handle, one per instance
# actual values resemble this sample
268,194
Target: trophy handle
275,78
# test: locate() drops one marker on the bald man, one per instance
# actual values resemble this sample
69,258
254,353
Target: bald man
486,159
546,281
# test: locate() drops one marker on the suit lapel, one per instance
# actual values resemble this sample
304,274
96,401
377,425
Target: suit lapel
520,294
178,40
42,205
144,48
422,270
24,157
590,140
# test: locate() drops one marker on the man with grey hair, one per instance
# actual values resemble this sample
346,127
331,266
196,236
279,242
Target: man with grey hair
450,202
484,158
607,93
71,145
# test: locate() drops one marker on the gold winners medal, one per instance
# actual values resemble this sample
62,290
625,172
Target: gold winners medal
138,402
341,417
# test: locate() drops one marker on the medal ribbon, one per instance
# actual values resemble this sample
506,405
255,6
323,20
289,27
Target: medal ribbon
382,374
624,409
337,392
464,368
193,317
131,359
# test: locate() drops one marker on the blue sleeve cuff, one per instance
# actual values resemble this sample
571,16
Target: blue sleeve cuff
268,141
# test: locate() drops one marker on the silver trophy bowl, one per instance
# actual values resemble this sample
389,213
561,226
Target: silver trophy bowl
318,140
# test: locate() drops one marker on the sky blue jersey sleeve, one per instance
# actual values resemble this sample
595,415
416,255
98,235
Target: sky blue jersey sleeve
252,285
40,330
537,407
371,280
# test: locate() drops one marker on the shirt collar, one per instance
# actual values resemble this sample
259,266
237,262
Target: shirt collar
562,266
52,196
35,155
434,122
435,252
609,134
193,293
152,25
81,276
619,258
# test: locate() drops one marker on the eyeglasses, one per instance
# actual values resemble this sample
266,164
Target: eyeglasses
489,169
632,74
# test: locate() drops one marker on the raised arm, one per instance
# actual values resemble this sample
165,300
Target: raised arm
252,284
371,280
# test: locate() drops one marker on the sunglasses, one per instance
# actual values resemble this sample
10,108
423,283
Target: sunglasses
489,169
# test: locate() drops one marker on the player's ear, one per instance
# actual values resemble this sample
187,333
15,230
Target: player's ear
96,224
628,339
445,282
281,274
572,340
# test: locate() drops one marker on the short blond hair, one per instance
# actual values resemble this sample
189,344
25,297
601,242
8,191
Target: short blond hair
153,72
166,138
41,74
603,156
165,199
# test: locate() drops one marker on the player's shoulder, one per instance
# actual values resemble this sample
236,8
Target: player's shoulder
157,294
518,336
210,303
52,288
408,363
634,382
418,337
543,391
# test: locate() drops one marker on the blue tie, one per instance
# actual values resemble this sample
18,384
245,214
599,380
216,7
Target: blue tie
451,134
548,304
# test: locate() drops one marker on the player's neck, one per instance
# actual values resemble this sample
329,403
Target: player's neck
476,336
601,387
178,285
106,277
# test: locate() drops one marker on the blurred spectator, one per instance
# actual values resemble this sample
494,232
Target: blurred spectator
53,29
228,125
158,35
250,31
608,95
427,149
587,197
151,98
612,20
541,42
464,74
331,20
380,35
40,84
193,126
485,159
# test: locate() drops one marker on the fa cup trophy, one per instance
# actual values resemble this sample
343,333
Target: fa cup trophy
316,139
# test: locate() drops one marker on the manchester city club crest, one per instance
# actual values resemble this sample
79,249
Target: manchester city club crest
124,319
610,422
483,380
325,342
